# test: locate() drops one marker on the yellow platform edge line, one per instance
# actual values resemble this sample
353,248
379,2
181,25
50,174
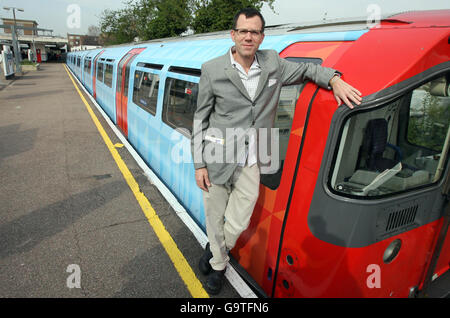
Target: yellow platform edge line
183,268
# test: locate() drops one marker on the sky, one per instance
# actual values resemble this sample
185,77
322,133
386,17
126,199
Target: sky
300,11
75,16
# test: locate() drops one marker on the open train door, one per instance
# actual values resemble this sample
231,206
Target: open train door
123,75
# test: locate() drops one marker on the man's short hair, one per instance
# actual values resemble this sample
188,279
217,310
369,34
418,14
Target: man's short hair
249,13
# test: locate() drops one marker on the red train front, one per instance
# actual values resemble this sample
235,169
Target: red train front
358,206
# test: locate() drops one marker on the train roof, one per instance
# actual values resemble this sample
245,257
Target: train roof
194,50
407,19
329,30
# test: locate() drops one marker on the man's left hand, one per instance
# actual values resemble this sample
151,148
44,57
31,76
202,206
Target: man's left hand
344,92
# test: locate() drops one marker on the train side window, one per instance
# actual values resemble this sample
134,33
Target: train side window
100,71
126,80
283,121
397,147
87,65
180,102
108,74
87,68
145,91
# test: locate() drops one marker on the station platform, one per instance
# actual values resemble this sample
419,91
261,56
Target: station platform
70,225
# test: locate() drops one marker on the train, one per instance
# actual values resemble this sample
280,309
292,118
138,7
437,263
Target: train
359,206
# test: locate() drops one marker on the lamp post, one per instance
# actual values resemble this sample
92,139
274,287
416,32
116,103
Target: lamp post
14,13
14,37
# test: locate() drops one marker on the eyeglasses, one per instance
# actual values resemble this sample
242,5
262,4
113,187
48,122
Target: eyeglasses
253,33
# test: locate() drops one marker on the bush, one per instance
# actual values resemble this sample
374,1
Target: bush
27,62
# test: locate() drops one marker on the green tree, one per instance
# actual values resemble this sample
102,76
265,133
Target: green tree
118,26
155,19
162,18
145,20
217,15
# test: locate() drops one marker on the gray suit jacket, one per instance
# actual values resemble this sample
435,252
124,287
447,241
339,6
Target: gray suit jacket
223,105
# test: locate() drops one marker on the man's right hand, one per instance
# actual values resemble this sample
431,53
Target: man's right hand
201,176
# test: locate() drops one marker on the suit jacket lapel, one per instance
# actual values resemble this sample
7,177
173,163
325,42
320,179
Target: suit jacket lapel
235,79
262,82
264,75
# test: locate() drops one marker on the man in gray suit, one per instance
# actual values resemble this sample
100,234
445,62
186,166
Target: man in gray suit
236,107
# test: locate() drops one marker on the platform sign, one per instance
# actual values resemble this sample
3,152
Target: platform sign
8,63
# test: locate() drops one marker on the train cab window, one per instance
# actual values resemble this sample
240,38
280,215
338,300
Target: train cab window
108,74
100,67
283,122
180,102
397,147
145,91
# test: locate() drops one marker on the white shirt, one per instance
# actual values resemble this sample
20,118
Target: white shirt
250,81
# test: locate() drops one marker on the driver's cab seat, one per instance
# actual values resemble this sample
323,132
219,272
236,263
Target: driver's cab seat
374,145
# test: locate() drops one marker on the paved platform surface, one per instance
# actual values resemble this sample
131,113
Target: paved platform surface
64,204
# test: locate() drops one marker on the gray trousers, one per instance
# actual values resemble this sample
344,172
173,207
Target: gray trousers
228,210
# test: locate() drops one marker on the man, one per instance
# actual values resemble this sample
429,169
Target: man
241,90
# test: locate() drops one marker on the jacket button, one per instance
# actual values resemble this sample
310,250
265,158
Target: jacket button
253,104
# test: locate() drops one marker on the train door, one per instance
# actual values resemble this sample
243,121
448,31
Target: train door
258,247
123,75
94,74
